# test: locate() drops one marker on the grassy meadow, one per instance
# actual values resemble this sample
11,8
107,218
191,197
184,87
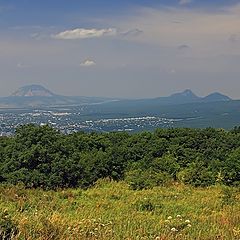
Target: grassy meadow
111,210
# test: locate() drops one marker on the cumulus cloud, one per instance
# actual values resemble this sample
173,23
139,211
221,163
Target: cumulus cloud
88,63
184,2
82,33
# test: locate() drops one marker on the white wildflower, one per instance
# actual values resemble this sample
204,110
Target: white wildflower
174,229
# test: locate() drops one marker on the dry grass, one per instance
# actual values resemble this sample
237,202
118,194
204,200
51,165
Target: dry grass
111,210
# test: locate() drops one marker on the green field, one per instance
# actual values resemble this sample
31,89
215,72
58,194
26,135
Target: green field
110,210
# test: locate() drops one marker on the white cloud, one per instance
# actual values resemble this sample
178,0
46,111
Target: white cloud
88,63
82,33
183,2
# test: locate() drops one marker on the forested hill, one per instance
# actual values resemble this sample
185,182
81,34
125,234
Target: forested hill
43,157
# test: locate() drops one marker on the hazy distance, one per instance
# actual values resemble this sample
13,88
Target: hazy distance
127,49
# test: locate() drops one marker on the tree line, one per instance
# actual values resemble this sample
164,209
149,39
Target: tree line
40,156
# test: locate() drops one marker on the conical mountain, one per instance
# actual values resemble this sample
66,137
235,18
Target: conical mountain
33,91
185,96
35,96
216,97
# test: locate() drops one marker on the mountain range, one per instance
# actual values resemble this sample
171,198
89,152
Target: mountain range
188,96
34,96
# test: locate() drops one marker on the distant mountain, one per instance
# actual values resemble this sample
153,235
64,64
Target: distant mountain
34,96
216,97
33,91
182,100
187,96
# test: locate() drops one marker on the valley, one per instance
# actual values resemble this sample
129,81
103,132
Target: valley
38,105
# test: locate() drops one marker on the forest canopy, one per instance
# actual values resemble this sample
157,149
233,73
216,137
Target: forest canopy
40,156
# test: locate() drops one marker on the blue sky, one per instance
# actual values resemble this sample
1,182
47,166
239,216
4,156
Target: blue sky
58,12
133,49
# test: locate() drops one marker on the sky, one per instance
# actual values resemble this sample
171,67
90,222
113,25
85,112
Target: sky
127,48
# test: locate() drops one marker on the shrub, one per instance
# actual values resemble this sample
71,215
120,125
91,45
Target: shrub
197,175
143,179
232,168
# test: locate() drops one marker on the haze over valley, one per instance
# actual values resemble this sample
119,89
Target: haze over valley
38,105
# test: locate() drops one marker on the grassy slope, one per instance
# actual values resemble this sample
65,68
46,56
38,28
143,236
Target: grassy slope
112,211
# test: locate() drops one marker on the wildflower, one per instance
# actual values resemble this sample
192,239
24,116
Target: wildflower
157,238
179,216
169,218
189,225
174,229
187,221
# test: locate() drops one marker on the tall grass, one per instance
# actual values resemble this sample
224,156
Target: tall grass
111,210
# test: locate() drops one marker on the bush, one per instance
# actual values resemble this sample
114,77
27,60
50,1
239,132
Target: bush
143,179
231,169
197,175
167,163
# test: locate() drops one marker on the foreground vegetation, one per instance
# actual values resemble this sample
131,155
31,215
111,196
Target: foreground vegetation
43,157
111,210
169,184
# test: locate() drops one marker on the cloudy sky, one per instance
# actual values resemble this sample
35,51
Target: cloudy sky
127,48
